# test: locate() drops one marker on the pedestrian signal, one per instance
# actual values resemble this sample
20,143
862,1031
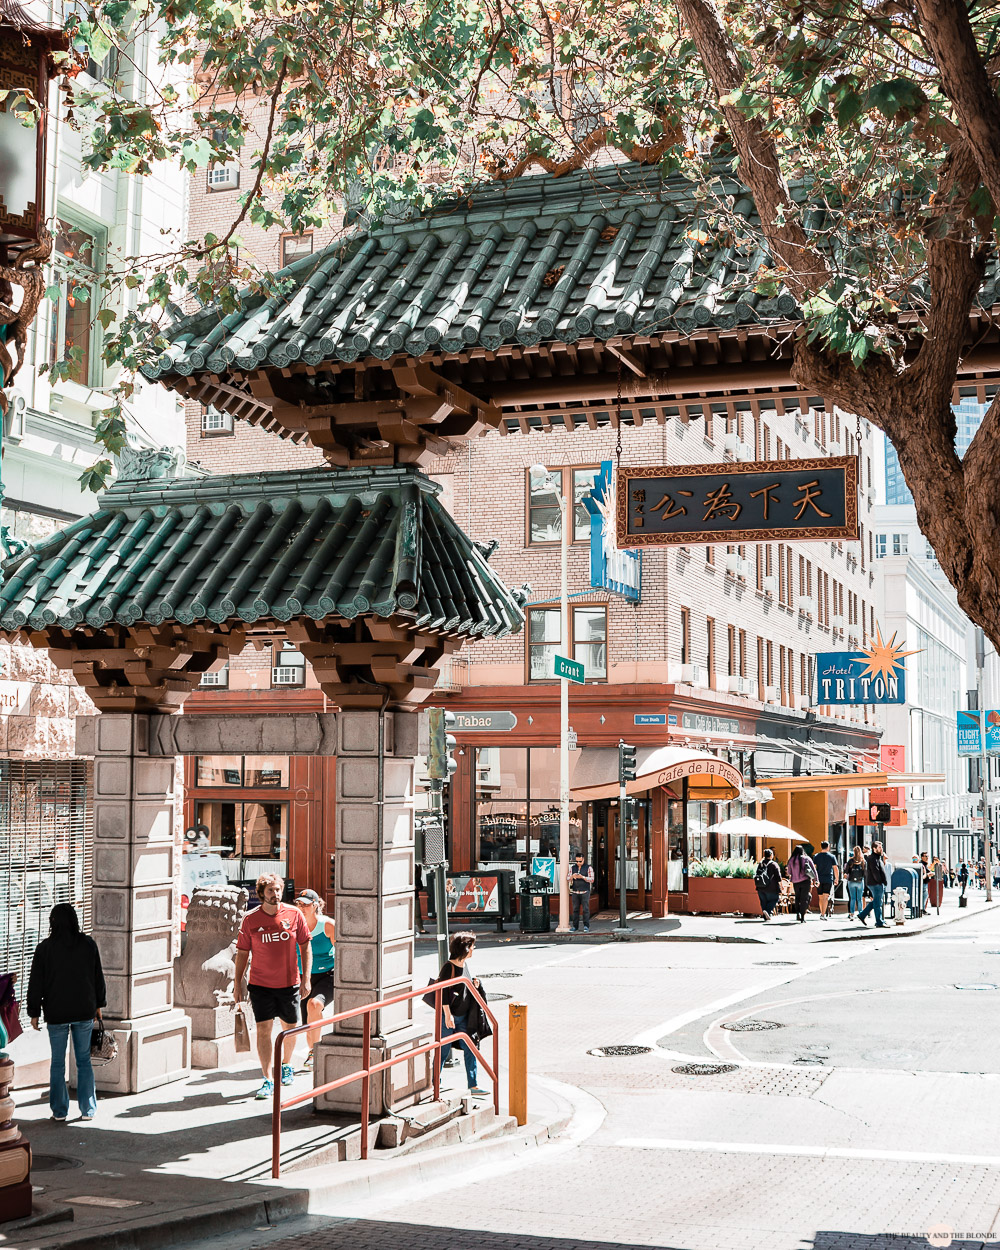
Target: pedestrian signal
880,813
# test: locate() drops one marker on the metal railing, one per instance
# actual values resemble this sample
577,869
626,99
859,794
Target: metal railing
368,1069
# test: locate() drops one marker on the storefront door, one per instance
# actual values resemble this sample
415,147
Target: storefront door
638,862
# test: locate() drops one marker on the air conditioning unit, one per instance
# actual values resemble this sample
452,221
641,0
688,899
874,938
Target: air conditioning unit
693,674
739,685
15,419
839,622
744,452
807,605
772,694
224,177
745,570
871,494
803,702
770,585
730,443
288,675
733,563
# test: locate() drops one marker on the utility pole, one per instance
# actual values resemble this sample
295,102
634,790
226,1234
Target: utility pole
440,767
984,764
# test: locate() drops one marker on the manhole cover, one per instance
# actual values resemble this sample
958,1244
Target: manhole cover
484,975
776,963
54,1163
983,986
704,1069
615,1052
752,1026
497,998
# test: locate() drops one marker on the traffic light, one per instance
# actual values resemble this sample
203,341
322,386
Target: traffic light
440,765
880,813
626,762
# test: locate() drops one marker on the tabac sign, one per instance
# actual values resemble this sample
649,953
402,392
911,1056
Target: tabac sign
755,502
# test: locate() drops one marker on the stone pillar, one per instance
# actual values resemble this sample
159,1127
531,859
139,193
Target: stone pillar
374,909
133,909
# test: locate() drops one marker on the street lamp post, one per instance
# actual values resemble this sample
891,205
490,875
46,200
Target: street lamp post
540,476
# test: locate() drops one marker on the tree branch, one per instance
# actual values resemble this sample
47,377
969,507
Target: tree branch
760,168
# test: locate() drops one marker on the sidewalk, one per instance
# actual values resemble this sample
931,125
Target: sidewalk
192,1159
703,928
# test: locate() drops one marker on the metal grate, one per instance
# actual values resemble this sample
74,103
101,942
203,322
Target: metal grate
704,1069
752,1026
46,849
618,1052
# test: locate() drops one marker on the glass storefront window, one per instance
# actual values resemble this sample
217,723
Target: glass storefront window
219,770
259,771
251,837
676,867
266,770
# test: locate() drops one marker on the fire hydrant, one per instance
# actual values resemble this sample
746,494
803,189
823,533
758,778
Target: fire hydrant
901,897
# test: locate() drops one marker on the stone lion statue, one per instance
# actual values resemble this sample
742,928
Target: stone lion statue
204,972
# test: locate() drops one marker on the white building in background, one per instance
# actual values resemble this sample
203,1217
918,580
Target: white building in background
916,602
96,221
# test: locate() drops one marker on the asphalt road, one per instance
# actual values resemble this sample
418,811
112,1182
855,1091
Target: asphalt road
867,1120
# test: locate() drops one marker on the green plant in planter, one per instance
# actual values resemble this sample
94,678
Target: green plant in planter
741,869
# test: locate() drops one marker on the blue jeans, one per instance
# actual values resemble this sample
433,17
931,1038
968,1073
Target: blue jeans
86,1093
878,893
855,890
471,1067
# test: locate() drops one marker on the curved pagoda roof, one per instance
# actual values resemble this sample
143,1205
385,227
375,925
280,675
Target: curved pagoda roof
526,305
195,566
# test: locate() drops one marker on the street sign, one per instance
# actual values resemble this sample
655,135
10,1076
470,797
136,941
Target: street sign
650,718
738,503
484,722
572,670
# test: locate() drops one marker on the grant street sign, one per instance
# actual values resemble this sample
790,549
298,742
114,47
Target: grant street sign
756,502
572,670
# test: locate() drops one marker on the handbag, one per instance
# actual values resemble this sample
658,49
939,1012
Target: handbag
241,1031
431,998
103,1045
479,1022
9,1013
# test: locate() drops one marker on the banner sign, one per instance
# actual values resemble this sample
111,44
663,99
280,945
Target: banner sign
610,568
873,676
897,817
739,503
470,895
968,733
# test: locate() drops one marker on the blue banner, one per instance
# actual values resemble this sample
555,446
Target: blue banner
610,569
846,678
968,733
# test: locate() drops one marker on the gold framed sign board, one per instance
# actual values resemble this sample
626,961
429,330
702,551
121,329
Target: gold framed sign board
760,501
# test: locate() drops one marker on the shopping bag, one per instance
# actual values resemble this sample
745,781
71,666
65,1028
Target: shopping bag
8,1008
241,1031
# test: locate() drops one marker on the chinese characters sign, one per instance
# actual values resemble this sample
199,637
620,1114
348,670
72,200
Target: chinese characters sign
757,502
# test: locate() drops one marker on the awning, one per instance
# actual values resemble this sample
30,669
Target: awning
596,773
849,781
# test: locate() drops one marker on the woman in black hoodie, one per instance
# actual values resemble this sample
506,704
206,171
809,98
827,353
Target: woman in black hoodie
66,984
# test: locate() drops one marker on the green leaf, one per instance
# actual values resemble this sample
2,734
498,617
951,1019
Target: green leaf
105,316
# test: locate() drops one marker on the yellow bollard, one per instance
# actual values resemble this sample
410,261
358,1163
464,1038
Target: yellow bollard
517,1062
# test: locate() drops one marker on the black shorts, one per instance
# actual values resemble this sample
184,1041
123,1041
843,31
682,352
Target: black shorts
825,887
270,1004
322,988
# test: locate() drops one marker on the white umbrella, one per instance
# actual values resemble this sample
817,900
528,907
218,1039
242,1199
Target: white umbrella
748,827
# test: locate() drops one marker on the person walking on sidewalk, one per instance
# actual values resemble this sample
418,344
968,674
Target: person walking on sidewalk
963,877
66,985
876,879
767,879
456,1004
321,939
267,941
802,873
581,882
828,867
925,881
854,871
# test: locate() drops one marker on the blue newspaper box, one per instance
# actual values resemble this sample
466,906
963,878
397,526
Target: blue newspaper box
908,876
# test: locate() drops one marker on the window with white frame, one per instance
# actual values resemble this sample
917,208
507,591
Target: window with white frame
289,668
77,259
216,681
294,247
588,640
223,177
214,422
544,513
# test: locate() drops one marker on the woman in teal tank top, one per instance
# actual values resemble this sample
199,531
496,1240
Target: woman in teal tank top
321,932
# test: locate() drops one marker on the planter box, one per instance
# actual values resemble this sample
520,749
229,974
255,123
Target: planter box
723,894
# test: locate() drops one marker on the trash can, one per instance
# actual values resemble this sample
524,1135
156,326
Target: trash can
534,893
935,892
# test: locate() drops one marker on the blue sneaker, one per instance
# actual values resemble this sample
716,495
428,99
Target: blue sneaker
265,1091
287,1074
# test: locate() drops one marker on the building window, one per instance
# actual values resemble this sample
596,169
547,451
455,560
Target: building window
880,546
72,338
214,422
289,667
733,654
255,771
710,647
588,641
544,515
216,681
743,653
899,544
223,177
294,247
685,635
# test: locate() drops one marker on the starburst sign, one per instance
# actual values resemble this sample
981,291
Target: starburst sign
885,657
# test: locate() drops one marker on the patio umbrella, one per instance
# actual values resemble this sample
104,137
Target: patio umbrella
748,827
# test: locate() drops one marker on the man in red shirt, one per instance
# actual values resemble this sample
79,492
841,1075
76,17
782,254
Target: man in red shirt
268,938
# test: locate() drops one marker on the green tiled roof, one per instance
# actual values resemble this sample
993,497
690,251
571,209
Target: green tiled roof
262,547
596,254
